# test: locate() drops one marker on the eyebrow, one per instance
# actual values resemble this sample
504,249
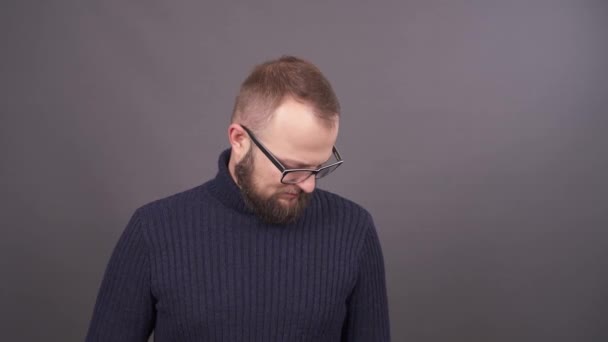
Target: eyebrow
287,163
294,164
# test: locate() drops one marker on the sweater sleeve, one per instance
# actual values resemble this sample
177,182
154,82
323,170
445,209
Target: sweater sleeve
124,310
367,318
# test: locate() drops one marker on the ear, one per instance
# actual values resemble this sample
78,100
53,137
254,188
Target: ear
239,141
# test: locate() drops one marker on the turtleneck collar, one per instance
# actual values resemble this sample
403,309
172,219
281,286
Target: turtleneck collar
224,188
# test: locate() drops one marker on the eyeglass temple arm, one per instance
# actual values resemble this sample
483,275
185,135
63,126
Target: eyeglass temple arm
262,148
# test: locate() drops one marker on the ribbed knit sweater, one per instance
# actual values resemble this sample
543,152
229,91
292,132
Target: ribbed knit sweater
200,266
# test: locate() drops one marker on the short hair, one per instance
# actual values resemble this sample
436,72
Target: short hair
270,83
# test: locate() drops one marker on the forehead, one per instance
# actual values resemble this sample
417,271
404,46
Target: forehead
297,135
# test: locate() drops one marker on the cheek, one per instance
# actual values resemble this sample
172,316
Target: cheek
267,180
267,174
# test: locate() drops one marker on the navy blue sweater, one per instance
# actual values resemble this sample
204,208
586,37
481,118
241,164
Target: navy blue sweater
200,266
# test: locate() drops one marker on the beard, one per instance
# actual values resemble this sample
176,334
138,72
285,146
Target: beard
268,208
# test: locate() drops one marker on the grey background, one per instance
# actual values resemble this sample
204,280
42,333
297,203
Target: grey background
474,131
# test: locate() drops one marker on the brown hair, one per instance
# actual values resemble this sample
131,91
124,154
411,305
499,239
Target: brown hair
271,82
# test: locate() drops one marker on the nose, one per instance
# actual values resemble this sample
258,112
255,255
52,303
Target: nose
308,185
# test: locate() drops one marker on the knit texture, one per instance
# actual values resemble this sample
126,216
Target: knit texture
200,266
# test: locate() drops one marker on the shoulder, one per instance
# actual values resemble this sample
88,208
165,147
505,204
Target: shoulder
335,204
350,217
171,204
335,200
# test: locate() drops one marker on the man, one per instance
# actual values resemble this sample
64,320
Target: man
257,253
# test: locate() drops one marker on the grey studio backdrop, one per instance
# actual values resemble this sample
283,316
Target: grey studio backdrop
475,132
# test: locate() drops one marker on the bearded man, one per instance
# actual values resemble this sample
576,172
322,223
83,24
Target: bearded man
258,253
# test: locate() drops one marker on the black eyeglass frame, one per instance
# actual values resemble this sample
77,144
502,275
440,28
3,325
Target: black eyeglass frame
285,171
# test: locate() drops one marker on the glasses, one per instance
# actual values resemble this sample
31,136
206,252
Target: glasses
294,176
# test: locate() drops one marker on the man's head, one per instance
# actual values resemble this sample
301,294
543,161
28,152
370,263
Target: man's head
292,112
